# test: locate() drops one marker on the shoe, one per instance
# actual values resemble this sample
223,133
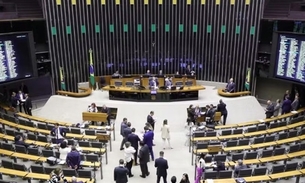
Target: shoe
121,149
130,176
148,174
143,176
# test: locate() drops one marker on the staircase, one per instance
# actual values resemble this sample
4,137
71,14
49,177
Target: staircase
27,9
277,9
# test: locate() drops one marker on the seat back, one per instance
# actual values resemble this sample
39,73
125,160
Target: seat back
202,145
267,153
245,172
85,174
37,169
210,134
19,167
210,175
261,127
7,146
259,140
84,143
291,166
278,169
20,149
47,153
22,122
75,130
7,164
42,138
31,136
30,124
270,138
236,157
260,171
69,172
237,131
293,133
226,132
42,126
232,143
220,157
92,157
199,134
48,170
90,132
273,125
243,142
10,132
252,129
282,136
294,148
251,155
279,151
33,151
225,174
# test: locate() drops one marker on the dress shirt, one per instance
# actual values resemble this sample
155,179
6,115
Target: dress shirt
128,153
58,134
92,109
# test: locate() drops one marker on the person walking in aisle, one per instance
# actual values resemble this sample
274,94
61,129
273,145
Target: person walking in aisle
144,159
123,126
120,173
162,166
134,140
128,152
200,167
188,131
148,140
165,135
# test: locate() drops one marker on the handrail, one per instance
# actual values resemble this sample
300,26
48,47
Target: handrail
87,92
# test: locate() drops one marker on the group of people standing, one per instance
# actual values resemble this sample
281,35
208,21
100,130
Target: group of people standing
23,101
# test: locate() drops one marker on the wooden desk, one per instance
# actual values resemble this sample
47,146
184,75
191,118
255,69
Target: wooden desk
94,116
17,173
285,174
231,180
257,178
273,158
38,176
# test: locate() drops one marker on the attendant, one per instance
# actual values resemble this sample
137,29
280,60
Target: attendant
208,114
230,86
121,173
14,101
57,176
185,178
188,70
277,107
287,94
107,111
116,74
144,159
174,179
73,159
188,131
150,120
220,166
21,100
74,180
129,153
200,168
59,133
295,104
64,150
168,83
148,140
123,126
20,141
191,113
286,106
269,109
134,140
162,165
239,166
165,134
24,88
28,105
222,108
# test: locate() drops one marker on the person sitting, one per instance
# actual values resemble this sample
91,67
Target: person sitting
239,166
219,166
20,141
185,178
107,111
230,86
59,133
168,83
73,159
153,83
57,176
64,150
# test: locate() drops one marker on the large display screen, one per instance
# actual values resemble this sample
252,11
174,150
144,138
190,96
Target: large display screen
290,57
15,57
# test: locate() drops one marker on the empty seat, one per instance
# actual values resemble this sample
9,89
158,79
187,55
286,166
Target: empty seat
9,118
293,133
33,151
22,122
231,143
251,155
211,134
19,167
294,148
48,170
31,136
42,138
236,157
47,153
211,143
210,175
273,125
82,157
199,134
30,124
202,145
7,146
283,136
266,153
225,174
302,147
90,132
278,169
75,130
97,144
243,142
259,140
69,172
237,131
245,172
261,127
302,132
37,169
42,126
226,132
252,129
282,123
7,164
208,159
259,171
270,138
291,166
50,127
20,149
220,157
84,143
10,132
279,151
85,174
71,142
92,158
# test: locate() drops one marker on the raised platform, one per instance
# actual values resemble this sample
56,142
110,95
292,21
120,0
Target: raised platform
62,108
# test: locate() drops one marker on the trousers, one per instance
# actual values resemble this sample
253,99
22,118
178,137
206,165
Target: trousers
164,178
144,169
151,152
129,167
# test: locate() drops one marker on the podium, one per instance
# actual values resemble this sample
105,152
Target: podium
214,149
94,116
104,137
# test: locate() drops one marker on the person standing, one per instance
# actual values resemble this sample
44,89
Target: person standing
188,131
123,126
21,100
162,166
277,107
14,101
185,178
128,152
148,140
295,104
28,105
73,159
200,168
143,159
59,133
286,106
222,108
120,173
165,134
269,109
134,140
150,120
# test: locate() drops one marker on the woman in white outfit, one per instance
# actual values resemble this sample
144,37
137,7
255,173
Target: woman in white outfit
64,149
165,134
188,131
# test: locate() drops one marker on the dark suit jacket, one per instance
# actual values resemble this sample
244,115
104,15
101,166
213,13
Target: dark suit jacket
22,143
120,174
162,166
107,111
134,140
295,105
61,130
269,110
150,119
230,87
222,108
127,131
73,159
18,96
286,107
14,101
123,126
209,113
148,138
151,83
28,103
143,154
190,112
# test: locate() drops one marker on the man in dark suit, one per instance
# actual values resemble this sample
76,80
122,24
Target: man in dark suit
221,107
188,70
148,140
28,105
162,166
14,101
286,106
59,133
121,173
73,159
269,109
127,131
107,111
20,141
230,86
287,94
143,159
208,114
123,126
150,119
134,140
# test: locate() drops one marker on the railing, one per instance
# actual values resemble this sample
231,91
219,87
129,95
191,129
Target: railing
8,11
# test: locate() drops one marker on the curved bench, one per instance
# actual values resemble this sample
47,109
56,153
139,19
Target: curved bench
87,92
222,93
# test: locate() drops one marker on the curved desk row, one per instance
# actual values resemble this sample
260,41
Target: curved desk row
146,95
222,93
86,92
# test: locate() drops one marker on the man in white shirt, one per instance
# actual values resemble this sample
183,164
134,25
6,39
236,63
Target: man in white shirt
21,100
128,152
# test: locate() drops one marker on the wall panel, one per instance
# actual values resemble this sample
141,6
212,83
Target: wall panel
218,38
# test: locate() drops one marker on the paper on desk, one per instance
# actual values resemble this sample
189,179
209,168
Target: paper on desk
294,112
210,181
261,120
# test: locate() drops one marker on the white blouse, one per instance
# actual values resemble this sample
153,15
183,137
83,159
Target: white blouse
165,132
201,163
128,153
92,109
63,153
187,127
